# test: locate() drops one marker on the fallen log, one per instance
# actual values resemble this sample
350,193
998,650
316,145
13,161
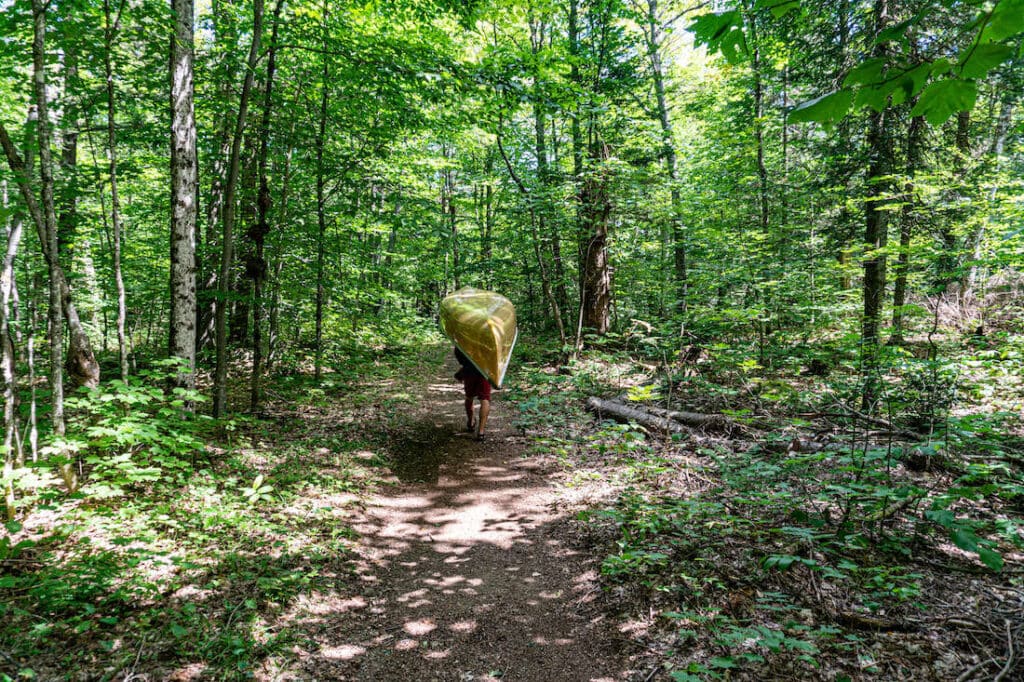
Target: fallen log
710,422
622,413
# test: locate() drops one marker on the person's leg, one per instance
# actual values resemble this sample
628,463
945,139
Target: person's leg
469,413
485,409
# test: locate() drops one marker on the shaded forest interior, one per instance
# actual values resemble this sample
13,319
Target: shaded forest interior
768,263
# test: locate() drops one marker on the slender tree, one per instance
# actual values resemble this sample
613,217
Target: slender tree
183,194
227,238
257,268
110,30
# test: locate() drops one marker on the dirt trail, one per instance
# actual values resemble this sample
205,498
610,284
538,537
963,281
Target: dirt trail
468,567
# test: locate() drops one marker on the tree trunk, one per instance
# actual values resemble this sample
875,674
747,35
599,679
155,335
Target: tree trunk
81,362
908,221
273,331
257,268
55,315
577,152
67,218
653,33
619,412
539,201
110,33
220,379
225,33
321,207
486,247
875,230
8,365
182,338
595,206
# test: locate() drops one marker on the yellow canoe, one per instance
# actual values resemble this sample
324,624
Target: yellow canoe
482,324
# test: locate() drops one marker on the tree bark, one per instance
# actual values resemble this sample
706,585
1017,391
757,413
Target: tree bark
321,207
81,362
225,33
7,359
110,32
622,413
49,220
67,218
182,337
595,206
875,230
257,269
539,202
220,379
273,331
653,34
908,221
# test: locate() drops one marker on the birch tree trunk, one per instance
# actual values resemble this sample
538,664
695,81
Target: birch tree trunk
7,360
55,314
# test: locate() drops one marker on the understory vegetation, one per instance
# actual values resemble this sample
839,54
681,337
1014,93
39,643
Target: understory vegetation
811,541
766,259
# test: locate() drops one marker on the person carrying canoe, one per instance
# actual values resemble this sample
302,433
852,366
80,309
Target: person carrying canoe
476,385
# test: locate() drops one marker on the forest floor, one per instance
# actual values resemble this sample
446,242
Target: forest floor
468,563
354,531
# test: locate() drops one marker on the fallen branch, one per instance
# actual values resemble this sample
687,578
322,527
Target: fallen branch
1010,656
603,408
710,422
850,413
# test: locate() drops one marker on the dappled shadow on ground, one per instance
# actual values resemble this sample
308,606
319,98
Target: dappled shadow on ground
421,453
467,572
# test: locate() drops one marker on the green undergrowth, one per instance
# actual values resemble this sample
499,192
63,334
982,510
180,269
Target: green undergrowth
764,559
190,539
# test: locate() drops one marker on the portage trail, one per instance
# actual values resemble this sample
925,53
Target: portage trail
467,566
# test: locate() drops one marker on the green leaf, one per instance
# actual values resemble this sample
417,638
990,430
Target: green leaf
965,540
991,558
941,66
782,561
778,8
178,631
896,33
868,71
984,58
721,33
13,526
824,109
910,83
943,517
943,98
710,28
1007,20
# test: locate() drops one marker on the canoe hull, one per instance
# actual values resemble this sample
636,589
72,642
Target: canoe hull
482,324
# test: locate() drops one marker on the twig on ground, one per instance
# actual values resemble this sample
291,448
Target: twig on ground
1010,657
130,675
966,675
